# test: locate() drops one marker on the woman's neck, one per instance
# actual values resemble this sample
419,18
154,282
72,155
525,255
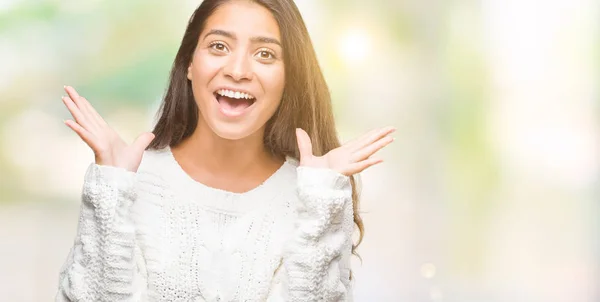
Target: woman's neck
207,153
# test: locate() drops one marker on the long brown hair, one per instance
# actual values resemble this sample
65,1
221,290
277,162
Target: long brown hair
306,102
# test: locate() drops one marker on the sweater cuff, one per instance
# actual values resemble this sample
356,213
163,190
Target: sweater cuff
102,180
321,177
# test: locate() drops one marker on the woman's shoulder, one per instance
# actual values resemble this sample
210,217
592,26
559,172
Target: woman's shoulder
155,162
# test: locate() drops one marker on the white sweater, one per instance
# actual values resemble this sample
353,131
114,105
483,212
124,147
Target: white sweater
159,235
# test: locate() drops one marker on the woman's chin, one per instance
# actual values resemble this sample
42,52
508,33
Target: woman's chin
233,132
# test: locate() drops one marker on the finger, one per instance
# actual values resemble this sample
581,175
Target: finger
92,111
357,139
85,135
75,111
72,93
304,143
142,142
370,137
369,150
83,106
361,166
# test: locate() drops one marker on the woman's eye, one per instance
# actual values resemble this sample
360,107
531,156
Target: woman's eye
218,46
265,54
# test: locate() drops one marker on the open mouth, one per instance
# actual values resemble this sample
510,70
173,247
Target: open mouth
233,103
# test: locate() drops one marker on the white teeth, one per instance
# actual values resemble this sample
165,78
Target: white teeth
234,94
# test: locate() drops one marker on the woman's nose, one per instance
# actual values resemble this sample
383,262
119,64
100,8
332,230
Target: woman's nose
239,67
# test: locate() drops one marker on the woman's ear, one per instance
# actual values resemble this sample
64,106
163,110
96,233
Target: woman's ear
189,72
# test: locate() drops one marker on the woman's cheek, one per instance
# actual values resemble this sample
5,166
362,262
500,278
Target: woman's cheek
208,63
273,76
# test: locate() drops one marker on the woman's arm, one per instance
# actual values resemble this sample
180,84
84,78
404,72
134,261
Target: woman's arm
316,264
104,263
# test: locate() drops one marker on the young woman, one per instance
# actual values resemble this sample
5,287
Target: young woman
242,192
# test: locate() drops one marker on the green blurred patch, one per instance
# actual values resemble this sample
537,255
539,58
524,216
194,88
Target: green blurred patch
27,12
138,83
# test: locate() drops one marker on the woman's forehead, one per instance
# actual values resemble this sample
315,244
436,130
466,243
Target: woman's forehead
243,20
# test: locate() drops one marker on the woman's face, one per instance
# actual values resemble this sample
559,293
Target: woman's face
237,70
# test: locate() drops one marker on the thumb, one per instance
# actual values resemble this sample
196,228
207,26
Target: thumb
142,142
304,144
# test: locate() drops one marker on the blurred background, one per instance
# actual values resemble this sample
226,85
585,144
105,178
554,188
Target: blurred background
490,192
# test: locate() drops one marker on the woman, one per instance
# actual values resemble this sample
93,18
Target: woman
228,199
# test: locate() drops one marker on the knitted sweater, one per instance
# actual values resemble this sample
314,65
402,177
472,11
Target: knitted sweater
159,235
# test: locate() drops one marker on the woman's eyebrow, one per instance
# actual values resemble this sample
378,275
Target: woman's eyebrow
220,32
256,39
265,40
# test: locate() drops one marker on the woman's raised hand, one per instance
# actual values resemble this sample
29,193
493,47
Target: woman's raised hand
350,158
109,148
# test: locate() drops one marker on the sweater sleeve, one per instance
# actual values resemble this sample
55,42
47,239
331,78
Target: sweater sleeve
104,263
316,262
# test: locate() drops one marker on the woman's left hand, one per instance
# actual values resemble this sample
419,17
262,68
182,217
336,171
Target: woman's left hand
350,158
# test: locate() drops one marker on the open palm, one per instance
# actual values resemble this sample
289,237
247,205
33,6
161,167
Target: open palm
109,148
350,158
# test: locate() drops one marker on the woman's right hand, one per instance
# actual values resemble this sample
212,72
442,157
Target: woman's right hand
109,148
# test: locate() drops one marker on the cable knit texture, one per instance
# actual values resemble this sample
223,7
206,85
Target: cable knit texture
159,235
